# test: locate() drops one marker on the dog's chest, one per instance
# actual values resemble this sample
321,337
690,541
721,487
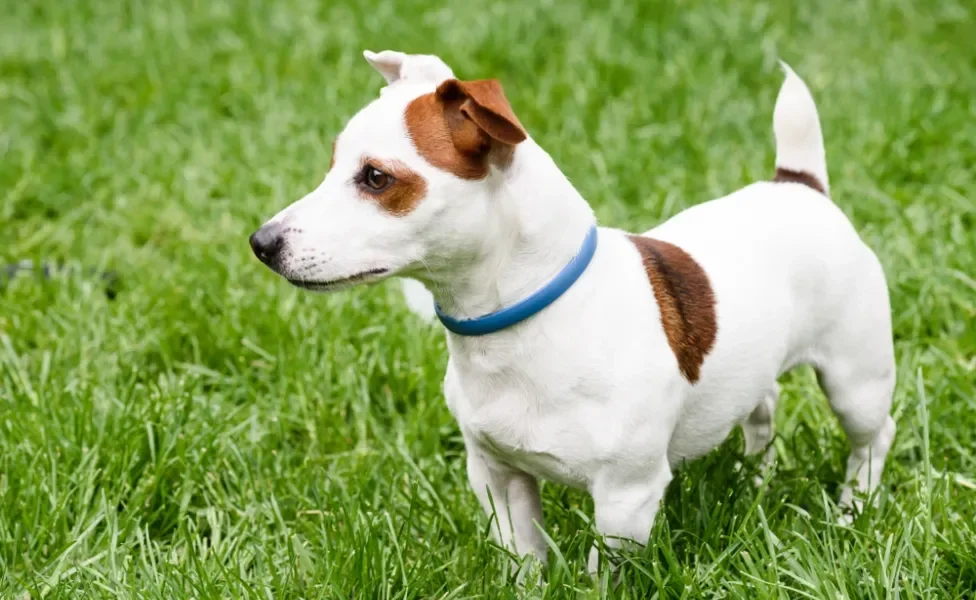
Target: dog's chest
535,445
521,427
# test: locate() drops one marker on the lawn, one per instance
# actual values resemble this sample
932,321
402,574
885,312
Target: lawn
210,432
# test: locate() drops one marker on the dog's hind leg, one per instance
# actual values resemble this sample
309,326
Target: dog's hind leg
758,426
758,430
862,400
857,372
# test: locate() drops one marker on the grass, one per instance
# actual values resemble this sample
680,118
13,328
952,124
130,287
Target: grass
212,433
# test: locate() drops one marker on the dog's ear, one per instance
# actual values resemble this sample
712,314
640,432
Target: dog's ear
482,104
387,62
394,66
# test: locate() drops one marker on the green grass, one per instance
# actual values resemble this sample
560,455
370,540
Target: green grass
212,433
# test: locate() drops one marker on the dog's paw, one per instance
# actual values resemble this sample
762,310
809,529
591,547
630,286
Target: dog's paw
848,507
845,518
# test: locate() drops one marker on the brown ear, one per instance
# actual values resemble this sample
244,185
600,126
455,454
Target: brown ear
483,102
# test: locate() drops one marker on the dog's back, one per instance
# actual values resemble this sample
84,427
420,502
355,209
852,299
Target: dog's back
793,284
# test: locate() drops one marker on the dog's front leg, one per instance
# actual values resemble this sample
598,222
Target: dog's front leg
625,504
512,498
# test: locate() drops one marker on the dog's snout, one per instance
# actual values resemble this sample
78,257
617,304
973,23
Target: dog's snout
267,242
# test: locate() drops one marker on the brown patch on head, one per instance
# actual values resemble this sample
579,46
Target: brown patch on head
686,300
332,160
464,127
427,125
484,102
791,176
403,194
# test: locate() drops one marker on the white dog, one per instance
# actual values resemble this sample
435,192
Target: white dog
594,357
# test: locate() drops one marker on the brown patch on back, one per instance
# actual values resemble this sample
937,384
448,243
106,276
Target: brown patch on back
403,195
791,176
686,300
464,127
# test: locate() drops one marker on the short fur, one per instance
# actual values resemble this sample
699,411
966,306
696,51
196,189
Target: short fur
462,126
665,343
789,176
686,301
406,191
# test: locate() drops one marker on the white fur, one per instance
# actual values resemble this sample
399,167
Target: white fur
588,393
799,142
397,66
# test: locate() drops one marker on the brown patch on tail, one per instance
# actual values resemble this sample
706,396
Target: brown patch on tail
686,300
464,126
791,176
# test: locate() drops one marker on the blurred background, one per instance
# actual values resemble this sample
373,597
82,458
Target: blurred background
206,431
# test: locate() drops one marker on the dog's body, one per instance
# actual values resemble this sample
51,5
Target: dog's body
664,344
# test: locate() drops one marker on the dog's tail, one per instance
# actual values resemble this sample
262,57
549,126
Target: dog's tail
800,156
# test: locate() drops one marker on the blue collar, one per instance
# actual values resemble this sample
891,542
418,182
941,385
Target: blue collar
534,304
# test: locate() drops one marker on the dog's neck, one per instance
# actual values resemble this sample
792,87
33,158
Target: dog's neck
538,223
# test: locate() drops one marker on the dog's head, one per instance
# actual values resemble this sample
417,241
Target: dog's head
410,184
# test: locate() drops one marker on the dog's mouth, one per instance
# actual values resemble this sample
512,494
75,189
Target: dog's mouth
335,284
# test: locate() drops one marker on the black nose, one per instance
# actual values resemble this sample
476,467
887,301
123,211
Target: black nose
267,242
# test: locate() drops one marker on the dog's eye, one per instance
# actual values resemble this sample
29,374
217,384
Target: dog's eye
374,179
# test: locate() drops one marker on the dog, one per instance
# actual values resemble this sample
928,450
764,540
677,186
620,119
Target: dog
593,357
